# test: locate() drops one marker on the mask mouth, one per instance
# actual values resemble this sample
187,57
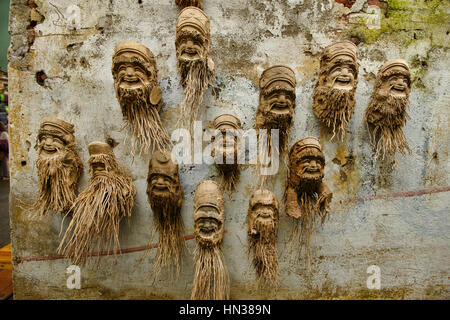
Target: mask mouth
208,228
398,89
279,108
130,83
49,150
160,187
189,53
264,216
343,82
98,168
312,170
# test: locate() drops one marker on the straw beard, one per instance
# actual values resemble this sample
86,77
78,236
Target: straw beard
229,173
211,280
196,77
335,108
98,211
265,254
314,206
385,117
170,227
189,3
229,176
58,177
283,122
142,118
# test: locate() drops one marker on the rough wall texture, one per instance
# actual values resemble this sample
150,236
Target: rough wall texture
396,219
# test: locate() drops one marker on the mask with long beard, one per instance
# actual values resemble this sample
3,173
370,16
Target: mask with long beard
262,234
58,165
386,114
226,150
194,64
137,90
165,196
307,196
211,280
334,93
98,210
189,3
277,102
275,111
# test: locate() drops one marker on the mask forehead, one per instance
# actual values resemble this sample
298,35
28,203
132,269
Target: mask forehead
161,163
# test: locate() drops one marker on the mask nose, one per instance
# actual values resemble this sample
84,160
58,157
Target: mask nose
190,43
314,164
282,98
400,82
130,71
345,72
48,141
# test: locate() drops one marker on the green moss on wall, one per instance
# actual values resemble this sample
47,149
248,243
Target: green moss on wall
404,16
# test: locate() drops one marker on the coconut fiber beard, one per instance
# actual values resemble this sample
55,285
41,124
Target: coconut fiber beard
165,196
386,114
211,279
262,235
98,210
58,165
307,196
135,80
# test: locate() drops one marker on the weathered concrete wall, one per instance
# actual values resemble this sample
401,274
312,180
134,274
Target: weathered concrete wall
396,219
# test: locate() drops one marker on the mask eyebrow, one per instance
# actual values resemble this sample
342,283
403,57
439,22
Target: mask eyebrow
337,63
53,133
160,174
121,60
258,206
289,91
307,153
185,34
392,73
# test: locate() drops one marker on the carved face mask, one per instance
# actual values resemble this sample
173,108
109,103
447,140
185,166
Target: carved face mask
307,196
386,114
59,166
98,210
277,102
334,94
165,196
262,234
211,279
194,63
135,81
226,150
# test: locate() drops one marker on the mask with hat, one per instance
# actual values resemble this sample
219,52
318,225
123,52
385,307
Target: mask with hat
262,234
334,93
98,210
165,196
307,196
276,109
226,149
387,111
194,63
136,83
58,165
211,279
